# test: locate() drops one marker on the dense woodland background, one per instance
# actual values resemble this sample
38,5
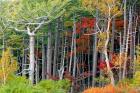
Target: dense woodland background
70,46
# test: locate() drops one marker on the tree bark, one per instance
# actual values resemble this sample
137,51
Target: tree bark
37,63
74,48
124,34
110,73
94,52
120,58
49,54
32,58
127,42
43,59
56,48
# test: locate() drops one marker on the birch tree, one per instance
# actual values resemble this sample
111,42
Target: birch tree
108,9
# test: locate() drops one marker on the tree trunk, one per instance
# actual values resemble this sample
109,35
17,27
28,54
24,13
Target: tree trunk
127,42
74,48
37,63
120,58
94,52
56,48
110,73
61,71
32,58
112,38
124,34
71,56
132,49
49,54
43,59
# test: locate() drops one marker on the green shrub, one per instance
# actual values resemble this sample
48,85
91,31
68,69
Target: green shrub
50,86
17,85
22,85
136,79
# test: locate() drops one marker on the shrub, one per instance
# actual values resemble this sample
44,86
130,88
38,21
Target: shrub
18,85
50,86
22,85
122,88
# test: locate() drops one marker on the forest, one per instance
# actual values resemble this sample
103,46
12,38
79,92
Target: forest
69,46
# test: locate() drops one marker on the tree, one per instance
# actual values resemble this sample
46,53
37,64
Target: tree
30,16
8,65
108,9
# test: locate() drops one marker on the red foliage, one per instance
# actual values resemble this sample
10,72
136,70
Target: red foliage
84,37
78,31
83,41
111,64
102,64
84,22
91,22
88,22
119,23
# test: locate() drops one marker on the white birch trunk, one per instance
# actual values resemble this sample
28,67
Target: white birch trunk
127,41
110,73
32,58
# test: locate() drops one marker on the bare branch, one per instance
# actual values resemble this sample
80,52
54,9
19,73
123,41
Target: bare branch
29,31
18,30
98,27
38,26
42,17
92,33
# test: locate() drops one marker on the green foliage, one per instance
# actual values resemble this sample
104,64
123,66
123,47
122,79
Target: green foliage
51,86
22,85
29,10
17,85
107,8
88,5
11,39
136,79
137,60
102,79
125,81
